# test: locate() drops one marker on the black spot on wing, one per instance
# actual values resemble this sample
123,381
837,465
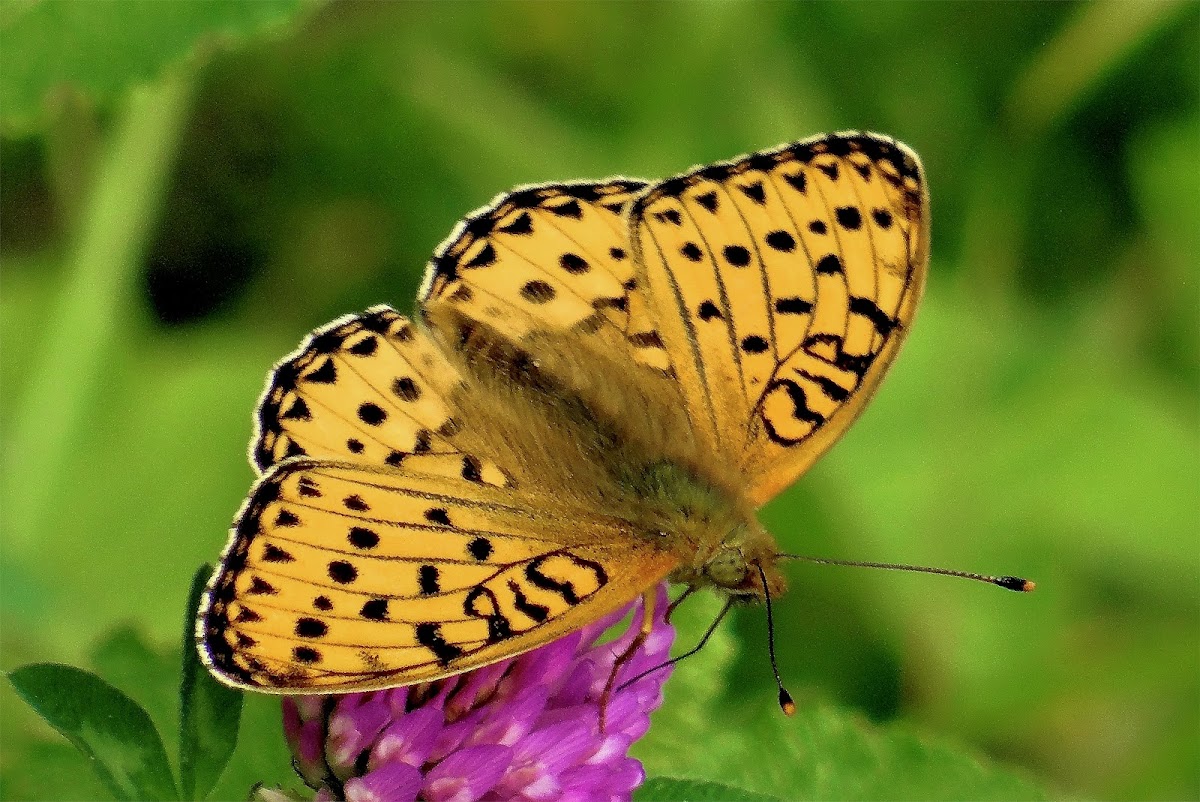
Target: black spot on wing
793,306
569,209
829,387
800,410
406,389
754,344
537,292
708,310
797,181
521,225
485,257
855,363
708,200
362,538
848,217
428,579
356,503
326,374
480,548
537,612
342,572
306,654
534,573
375,610
260,587
365,347
573,263
311,628
429,635
298,411
781,241
830,263
371,414
755,192
868,309
737,255
472,469
646,339
481,603
274,554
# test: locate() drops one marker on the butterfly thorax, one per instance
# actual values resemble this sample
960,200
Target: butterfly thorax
616,439
718,540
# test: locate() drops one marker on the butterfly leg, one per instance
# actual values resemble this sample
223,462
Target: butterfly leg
688,591
648,599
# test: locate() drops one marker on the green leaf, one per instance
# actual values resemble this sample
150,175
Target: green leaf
111,729
126,660
209,711
104,48
47,770
670,789
744,744
826,753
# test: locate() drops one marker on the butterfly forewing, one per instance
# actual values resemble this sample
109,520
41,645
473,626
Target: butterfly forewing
548,258
372,388
781,285
342,577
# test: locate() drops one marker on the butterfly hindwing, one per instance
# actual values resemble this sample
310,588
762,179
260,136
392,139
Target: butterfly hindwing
345,578
781,285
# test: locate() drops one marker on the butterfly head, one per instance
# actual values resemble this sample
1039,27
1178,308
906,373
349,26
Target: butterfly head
734,565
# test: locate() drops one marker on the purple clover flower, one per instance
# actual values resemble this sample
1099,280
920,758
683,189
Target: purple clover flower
521,729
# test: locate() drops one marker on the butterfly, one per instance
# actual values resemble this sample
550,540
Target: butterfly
602,384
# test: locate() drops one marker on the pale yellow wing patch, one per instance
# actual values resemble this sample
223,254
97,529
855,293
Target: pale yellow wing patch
340,578
372,388
781,285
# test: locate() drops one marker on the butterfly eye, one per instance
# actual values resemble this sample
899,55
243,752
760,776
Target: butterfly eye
727,567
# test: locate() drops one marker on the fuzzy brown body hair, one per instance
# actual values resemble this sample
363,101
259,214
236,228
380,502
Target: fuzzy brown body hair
600,432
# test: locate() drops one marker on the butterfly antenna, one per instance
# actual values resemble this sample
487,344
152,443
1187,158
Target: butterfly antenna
785,699
708,634
1007,582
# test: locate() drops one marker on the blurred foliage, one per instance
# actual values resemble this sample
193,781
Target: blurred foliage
195,194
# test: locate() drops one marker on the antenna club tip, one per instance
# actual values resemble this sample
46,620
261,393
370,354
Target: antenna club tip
786,704
1016,583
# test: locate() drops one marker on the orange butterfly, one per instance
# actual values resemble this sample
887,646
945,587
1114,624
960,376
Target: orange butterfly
605,381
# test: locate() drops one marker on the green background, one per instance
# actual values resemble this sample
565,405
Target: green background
188,188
